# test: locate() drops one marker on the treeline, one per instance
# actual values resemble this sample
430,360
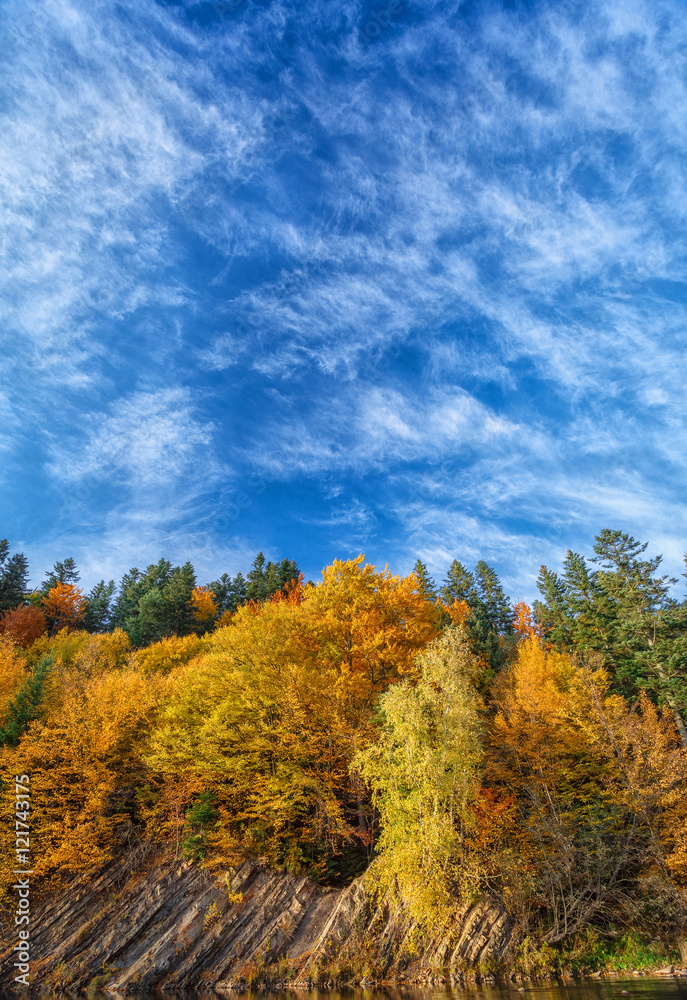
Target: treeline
449,743
162,601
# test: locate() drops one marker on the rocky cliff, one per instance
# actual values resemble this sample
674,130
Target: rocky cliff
165,924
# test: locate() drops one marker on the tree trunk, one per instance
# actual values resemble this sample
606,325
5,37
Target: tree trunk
679,721
681,728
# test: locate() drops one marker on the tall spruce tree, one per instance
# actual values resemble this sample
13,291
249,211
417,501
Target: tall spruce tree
14,577
427,585
459,584
98,613
621,611
491,602
256,587
267,578
156,604
25,706
62,572
287,573
222,592
239,591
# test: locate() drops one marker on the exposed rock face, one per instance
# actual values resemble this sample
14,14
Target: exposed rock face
170,926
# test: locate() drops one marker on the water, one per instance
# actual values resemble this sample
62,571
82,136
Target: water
646,988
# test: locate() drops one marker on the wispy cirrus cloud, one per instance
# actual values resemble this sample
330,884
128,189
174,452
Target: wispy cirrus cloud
150,440
439,276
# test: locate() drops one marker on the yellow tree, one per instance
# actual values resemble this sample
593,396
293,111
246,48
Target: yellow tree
12,672
164,656
270,716
423,771
81,758
204,605
599,785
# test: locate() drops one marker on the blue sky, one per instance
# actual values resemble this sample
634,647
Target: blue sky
289,276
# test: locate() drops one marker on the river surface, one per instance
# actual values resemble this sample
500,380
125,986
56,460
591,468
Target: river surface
646,988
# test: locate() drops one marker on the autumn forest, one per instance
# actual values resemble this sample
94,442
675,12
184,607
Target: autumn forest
431,734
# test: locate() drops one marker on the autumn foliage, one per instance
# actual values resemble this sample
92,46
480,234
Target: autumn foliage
204,605
23,624
445,742
64,607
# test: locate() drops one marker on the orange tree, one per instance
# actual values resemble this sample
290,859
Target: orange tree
23,624
83,757
64,607
599,786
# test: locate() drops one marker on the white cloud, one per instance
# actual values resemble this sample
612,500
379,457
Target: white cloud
150,440
389,251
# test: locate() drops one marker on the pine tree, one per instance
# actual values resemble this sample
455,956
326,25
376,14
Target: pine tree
552,613
62,572
491,601
256,589
131,590
158,603
25,706
622,612
428,587
222,592
14,577
181,618
239,591
459,584
287,573
98,614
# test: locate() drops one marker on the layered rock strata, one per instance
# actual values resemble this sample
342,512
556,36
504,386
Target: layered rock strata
167,925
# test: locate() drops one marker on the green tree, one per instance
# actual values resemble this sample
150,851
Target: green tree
287,573
491,618
222,592
229,592
256,587
266,579
131,589
62,572
426,584
199,819
552,613
239,591
491,615
25,706
459,585
14,577
621,609
156,604
491,602
98,613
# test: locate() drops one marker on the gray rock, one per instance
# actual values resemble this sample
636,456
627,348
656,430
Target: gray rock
167,925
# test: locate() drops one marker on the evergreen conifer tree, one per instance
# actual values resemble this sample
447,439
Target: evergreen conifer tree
256,588
459,584
622,612
62,572
14,577
427,586
98,613
25,706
